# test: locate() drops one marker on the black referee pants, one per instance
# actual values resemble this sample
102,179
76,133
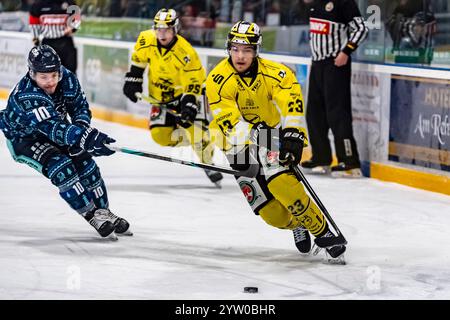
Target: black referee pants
329,107
66,50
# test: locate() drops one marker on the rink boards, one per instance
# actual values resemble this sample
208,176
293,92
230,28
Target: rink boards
401,115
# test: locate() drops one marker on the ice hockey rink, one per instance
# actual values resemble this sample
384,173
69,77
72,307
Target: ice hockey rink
194,241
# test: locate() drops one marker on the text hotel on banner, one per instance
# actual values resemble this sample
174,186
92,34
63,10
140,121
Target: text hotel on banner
419,130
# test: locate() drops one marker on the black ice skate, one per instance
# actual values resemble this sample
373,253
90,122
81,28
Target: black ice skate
343,170
302,240
334,245
121,226
215,177
101,222
313,167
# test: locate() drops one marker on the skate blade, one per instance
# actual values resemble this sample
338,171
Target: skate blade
111,237
218,185
319,170
338,260
126,233
315,250
352,174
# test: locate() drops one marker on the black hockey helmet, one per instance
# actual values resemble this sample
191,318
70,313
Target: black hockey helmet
44,59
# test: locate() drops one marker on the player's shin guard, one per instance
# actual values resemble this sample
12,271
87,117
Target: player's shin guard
91,179
63,175
289,191
204,149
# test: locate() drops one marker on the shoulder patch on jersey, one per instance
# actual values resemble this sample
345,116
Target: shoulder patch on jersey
282,73
187,59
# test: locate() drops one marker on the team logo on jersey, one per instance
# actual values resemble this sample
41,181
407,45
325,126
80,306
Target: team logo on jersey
186,59
249,191
319,26
329,6
155,113
252,118
282,73
272,158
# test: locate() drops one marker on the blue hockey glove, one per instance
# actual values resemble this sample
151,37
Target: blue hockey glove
94,142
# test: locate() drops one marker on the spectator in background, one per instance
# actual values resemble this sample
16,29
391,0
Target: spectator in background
116,8
411,27
26,4
52,22
133,9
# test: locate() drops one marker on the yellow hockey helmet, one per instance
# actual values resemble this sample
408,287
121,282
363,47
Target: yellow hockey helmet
166,18
244,32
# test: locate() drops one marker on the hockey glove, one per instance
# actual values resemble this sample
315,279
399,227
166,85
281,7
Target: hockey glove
264,136
94,142
83,123
291,146
189,110
133,83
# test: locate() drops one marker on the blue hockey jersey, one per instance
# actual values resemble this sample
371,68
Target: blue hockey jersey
61,117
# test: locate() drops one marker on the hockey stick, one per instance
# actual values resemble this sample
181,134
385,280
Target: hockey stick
168,110
300,176
250,172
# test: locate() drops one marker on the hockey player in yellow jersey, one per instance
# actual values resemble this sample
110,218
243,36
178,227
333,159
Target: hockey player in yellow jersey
250,96
175,85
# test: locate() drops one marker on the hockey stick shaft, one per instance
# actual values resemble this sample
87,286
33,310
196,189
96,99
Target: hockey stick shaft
172,112
247,173
299,174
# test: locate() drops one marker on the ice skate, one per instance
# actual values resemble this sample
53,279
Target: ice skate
121,226
101,222
215,177
302,240
333,245
312,167
343,170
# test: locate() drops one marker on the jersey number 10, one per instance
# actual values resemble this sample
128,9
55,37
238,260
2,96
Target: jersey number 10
41,113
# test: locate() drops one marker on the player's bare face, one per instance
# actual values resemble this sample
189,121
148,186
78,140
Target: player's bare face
47,81
165,35
242,56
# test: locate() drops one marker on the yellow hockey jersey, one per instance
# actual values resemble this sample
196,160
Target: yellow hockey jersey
172,71
273,96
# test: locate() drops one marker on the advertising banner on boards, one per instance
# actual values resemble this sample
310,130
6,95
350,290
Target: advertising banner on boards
419,132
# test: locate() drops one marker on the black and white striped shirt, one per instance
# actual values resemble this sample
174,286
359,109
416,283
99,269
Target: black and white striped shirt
49,19
335,26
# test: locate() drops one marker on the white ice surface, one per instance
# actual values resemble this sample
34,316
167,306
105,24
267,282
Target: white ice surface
193,241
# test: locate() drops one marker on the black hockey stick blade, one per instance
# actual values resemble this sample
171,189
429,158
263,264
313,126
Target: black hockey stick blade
251,172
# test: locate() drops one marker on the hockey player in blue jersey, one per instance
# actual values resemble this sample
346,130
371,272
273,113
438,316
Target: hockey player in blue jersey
47,126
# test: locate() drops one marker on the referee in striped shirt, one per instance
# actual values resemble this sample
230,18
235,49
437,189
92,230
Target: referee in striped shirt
336,30
51,24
